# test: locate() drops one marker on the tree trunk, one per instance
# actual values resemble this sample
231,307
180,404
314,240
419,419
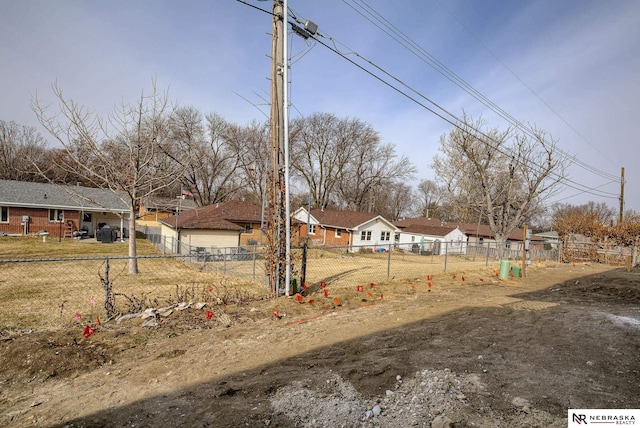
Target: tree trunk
133,261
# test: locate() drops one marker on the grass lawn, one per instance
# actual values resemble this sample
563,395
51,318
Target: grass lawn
34,248
55,293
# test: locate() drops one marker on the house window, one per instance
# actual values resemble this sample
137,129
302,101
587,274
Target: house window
385,235
248,228
480,240
86,217
338,233
312,229
507,244
4,214
365,235
397,237
413,239
56,215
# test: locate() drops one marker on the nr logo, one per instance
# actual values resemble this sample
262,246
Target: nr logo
580,419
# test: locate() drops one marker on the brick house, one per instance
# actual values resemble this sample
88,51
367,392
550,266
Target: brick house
27,208
330,227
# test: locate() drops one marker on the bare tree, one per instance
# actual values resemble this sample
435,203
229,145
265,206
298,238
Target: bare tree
430,197
129,153
211,174
502,174
393,201
318,154
20,148
342,163
60,167
252,146
371,168
567,219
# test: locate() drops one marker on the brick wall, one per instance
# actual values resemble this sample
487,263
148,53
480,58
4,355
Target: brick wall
326,236
38,220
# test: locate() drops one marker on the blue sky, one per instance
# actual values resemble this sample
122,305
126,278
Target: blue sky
570,67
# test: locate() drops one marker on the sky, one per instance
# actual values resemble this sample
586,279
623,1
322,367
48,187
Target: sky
570,67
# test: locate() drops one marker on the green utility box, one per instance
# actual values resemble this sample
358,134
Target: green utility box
505,266
517,271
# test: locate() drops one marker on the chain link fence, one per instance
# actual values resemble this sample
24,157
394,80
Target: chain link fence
606,253
48,293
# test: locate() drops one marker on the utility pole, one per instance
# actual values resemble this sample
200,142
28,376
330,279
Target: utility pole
621,196
276,238
279,229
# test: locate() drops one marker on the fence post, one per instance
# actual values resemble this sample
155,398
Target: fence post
224,262
486,261
559,252
109,305
255,256
303,264
445,255
389,263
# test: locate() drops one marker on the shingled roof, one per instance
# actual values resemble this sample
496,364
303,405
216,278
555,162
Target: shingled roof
484,231
45,195
422,221
341,219
429,230
411,225
221,216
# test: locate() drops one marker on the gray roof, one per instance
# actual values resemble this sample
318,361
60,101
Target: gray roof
45,195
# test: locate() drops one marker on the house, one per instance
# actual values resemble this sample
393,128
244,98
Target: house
220,225
430,239
481,234
551,238
422,221
330,227
60,210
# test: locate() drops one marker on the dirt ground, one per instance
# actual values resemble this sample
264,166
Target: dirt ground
461,349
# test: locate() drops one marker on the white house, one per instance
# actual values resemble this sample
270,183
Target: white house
432,239
332,227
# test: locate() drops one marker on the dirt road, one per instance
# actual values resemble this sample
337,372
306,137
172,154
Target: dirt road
472,352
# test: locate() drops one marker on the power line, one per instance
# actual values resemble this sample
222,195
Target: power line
380,22
455,122
522,81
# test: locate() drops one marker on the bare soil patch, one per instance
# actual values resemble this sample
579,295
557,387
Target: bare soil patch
472,352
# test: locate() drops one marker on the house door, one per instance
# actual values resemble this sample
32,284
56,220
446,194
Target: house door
86,223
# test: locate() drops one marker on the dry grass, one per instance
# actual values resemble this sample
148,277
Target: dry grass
54,293
34,248
57,293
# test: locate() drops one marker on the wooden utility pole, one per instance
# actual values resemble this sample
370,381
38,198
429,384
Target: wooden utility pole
621,196
276,239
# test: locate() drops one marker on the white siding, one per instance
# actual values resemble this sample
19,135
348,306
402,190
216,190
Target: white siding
210,238
198,238
376,227
169,238
456,241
